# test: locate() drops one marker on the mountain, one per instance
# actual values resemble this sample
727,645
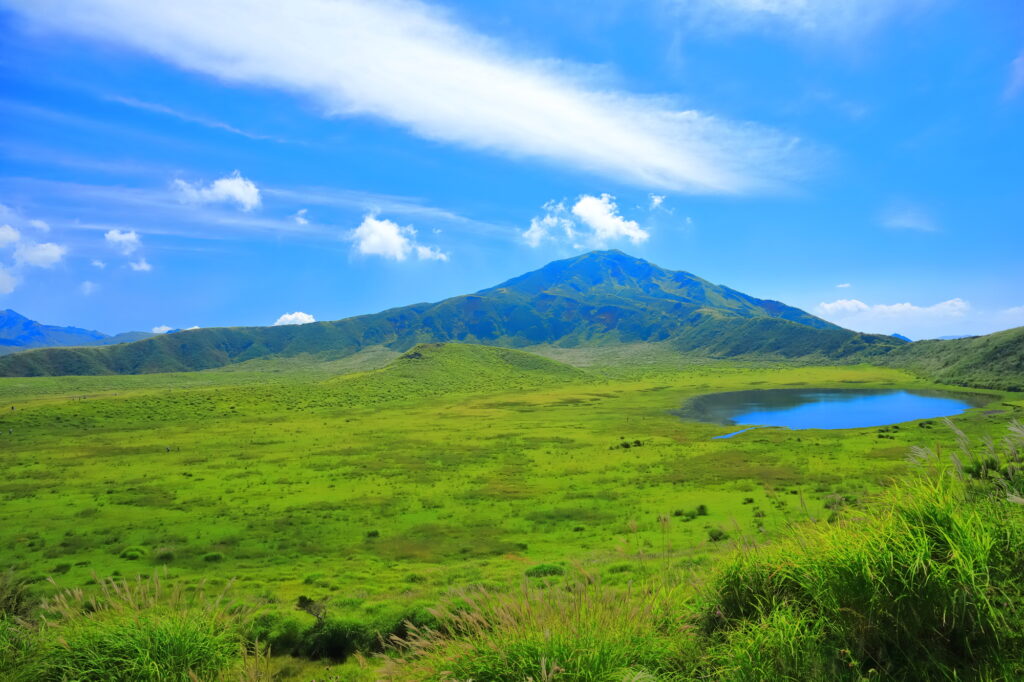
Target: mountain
900,337
17,333
602,297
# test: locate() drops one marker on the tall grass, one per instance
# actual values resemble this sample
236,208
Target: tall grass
927,582
128,631
575,631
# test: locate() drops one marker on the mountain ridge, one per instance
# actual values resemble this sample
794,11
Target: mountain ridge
601,297
18,333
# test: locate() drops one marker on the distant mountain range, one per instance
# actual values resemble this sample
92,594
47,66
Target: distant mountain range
17,333
598,298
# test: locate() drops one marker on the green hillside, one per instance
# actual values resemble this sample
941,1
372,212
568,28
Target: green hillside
434,369
992,361
599,298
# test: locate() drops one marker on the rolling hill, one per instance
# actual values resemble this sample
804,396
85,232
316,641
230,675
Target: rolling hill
991,361
598,298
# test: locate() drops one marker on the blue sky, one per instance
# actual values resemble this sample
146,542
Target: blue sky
225,162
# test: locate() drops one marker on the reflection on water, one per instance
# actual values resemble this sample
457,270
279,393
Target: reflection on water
817,408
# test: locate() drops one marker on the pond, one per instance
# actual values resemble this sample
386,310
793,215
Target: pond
819,408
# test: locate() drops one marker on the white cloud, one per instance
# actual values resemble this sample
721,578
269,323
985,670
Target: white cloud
124,241
88,287
141,265
294,318
39,255
592,221
656,201
98,264
162,329
906,318
554,221
908,218
844,285
412,65
601,214
1015,84
829,18
195,326
300,217
8,235
430,253
8,282
229,189
40,225
388,239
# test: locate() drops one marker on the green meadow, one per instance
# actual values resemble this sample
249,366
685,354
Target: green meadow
378,489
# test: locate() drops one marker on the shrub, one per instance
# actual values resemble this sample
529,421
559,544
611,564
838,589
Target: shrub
164,556
544,570
717,535
213,557
133,553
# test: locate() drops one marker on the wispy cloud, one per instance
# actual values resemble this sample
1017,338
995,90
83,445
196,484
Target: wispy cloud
413,65
908,218
828,18
844,285
190,118
1015,83
906,318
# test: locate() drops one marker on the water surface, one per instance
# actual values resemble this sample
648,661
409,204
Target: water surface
818,408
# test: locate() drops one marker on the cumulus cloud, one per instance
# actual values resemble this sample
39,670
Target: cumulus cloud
124,241
8,235
656,201
554,223
601,214
294,318
592,221
412,65
229,189
162,329
8,282
887,318
300,217
98,264
40,225
908,218
141,265
87,288
388,239
39,255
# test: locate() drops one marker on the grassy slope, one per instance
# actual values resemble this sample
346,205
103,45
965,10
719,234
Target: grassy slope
995,360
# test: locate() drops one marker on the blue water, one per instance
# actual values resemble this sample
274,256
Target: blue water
813,408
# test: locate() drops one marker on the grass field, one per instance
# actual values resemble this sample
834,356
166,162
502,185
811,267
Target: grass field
454,466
